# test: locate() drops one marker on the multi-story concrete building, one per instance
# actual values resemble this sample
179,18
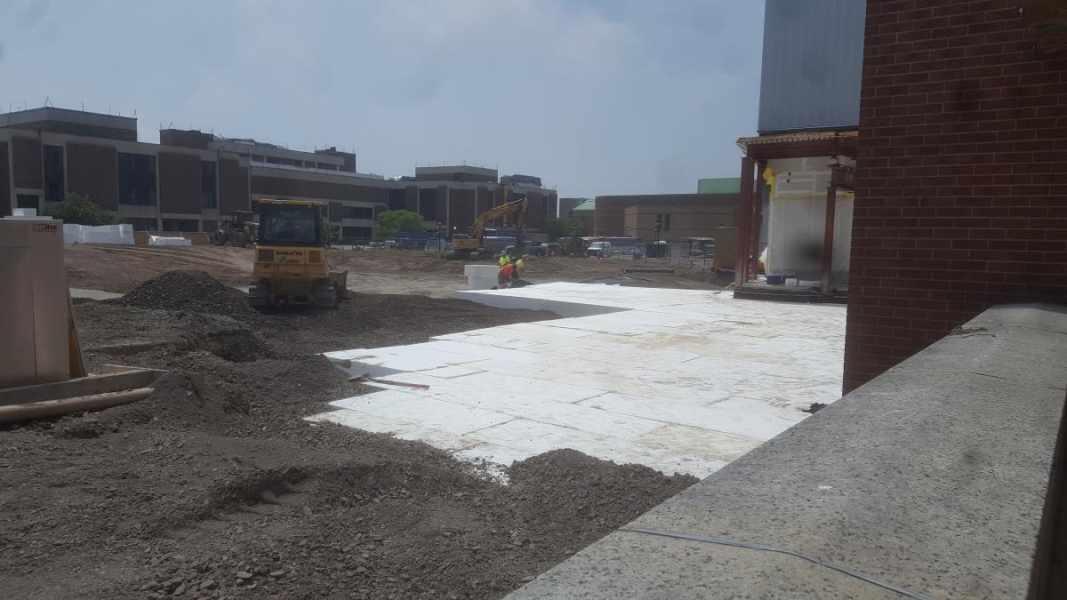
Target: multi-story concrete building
190,179
453,196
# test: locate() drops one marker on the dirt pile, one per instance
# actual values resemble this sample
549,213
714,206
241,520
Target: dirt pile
215,486
193,291
594,493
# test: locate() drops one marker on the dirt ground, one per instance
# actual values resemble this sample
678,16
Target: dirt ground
120,268
214,487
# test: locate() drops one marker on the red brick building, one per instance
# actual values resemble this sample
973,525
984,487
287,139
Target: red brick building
961,177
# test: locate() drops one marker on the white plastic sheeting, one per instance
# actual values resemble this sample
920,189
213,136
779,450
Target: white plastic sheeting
159,240
797,220
118,235
678,380
481,277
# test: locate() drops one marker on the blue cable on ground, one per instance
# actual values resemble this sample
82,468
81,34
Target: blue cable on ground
766,548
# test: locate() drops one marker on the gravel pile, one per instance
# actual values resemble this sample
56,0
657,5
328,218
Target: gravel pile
216,487
193,291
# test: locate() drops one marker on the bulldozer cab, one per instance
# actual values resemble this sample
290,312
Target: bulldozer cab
291,224
240,217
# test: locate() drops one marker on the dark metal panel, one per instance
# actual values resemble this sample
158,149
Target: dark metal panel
812,65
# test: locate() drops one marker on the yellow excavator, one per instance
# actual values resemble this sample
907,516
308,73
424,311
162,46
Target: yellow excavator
290,257
463,246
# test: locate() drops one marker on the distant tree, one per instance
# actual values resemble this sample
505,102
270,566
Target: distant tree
78,209
577,227
556,227
332,232
392,222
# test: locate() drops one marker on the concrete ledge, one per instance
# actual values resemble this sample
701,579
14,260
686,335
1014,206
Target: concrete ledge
931,478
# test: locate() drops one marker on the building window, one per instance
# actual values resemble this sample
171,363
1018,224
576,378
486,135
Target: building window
428,204
53,174
28,201
142,224
356,235
137,179
181,225
358,212
207,184
663,222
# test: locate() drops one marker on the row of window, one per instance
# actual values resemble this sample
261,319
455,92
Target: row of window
307,164
358,212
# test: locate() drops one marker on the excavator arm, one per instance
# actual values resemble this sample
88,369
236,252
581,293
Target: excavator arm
518,207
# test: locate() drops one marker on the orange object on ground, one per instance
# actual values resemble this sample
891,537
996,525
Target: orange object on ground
504,274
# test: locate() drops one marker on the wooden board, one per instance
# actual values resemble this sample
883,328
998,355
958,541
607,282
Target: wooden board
98,384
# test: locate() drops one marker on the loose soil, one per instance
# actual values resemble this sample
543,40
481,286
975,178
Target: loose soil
214,487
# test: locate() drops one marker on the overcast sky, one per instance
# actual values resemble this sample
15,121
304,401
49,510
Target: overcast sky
595,97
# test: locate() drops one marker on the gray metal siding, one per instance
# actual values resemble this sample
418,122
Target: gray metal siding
812,64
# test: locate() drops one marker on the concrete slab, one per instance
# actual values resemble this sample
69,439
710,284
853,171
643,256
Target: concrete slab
93,294
678,380
931,478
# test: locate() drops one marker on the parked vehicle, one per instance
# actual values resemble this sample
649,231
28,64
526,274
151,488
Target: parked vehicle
598,250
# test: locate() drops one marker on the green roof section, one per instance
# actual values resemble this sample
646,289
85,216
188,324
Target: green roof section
722,185
588,205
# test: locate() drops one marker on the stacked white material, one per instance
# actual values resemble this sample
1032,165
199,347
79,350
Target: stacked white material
26,213
158,240
115,235
480,277
677,380
72,234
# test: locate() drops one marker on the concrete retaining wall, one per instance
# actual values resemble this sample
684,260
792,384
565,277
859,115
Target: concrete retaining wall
931,478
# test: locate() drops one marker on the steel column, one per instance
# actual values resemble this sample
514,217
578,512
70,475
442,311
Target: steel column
744,220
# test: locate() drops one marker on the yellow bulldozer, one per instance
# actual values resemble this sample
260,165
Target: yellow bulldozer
463,246
290,257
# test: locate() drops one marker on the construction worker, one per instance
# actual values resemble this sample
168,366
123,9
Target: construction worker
520,268
504,275
504,259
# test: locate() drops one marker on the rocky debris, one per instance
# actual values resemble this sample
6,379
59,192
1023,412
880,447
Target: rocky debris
215,487
193,291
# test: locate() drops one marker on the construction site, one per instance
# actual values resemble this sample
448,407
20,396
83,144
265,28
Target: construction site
217,485
265,375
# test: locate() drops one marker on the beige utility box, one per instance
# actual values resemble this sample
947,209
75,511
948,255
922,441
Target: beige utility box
33,303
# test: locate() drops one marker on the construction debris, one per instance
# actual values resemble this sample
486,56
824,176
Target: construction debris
214,486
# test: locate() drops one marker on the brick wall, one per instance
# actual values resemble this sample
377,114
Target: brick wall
961,177
179,183
27,158
610,214
233,186
93,171
5,181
